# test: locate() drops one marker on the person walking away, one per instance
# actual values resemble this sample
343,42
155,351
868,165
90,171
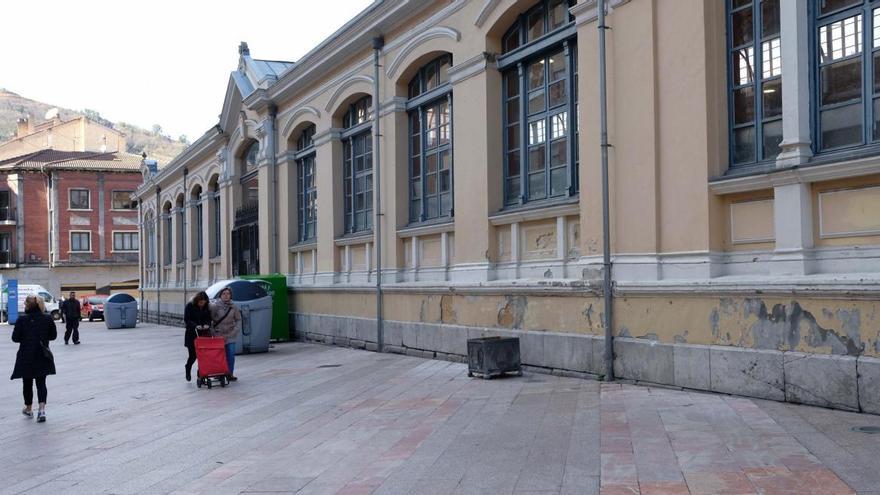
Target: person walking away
34,360
227,324
196,317
70,313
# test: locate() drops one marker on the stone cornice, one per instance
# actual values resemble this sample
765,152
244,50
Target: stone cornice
471,67
324,137
395,104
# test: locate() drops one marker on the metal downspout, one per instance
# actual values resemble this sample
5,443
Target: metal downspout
607,294
159,265
183,233
273,201
378,43
141,260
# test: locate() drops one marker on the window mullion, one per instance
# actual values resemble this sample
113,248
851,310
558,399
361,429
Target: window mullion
758,43
571,105
524,143
423,174
451,148
867,66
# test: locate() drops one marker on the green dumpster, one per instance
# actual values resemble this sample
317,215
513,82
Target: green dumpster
276,285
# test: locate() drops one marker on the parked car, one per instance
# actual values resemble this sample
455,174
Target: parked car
93,307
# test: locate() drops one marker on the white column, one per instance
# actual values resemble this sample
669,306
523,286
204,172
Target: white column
794,30
414,254
793,225
444,249
514,248
368,252
560,238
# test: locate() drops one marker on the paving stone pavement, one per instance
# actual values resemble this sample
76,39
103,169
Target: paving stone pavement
312,419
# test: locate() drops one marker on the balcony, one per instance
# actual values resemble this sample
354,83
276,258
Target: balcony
7,259
7,216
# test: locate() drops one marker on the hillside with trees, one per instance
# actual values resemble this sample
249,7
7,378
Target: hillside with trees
157,145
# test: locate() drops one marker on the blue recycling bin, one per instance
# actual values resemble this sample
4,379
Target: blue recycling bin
121,311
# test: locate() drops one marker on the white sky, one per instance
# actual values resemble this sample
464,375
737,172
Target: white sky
160,62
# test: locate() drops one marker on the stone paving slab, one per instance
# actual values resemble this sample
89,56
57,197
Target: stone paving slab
122,419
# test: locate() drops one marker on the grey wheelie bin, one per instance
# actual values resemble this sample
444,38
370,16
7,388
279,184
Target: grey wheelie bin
121,311
255,304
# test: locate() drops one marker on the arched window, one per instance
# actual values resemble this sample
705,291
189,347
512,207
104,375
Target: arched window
430,146
181,219
357,165
198,222
150,247
250,182
540,104
250,158
167,233
215,189
307,192
755,98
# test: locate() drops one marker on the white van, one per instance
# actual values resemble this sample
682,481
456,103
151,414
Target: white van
25,290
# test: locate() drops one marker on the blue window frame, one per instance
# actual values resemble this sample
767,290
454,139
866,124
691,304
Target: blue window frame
847,73
357,165
539,93
307,192
199,217
755,80
430,146
166,220
215,201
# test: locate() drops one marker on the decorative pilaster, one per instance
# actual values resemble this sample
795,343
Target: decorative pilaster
794,32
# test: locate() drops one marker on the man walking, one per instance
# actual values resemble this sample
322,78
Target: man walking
70,312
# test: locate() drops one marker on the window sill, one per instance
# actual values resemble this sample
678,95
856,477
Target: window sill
537,211
822,168
303,246
80,209
80,252
427,228
362,237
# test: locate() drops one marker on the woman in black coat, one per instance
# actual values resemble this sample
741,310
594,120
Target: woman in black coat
196,316
33,331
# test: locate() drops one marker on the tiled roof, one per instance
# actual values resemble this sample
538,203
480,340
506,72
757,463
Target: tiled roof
73,160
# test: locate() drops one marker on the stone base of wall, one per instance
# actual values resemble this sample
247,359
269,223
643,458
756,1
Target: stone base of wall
170,319
833,381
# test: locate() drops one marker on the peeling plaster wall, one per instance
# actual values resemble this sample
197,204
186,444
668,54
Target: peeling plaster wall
821,326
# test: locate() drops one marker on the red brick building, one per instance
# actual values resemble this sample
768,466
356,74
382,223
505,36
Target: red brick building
67,220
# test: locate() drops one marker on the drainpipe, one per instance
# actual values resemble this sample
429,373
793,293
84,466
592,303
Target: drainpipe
141,259
606,224
273,216
378,43
159,265
183,233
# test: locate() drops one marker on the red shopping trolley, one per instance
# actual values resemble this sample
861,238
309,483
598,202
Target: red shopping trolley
211,354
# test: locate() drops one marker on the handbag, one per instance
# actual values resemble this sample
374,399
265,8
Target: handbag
47,353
